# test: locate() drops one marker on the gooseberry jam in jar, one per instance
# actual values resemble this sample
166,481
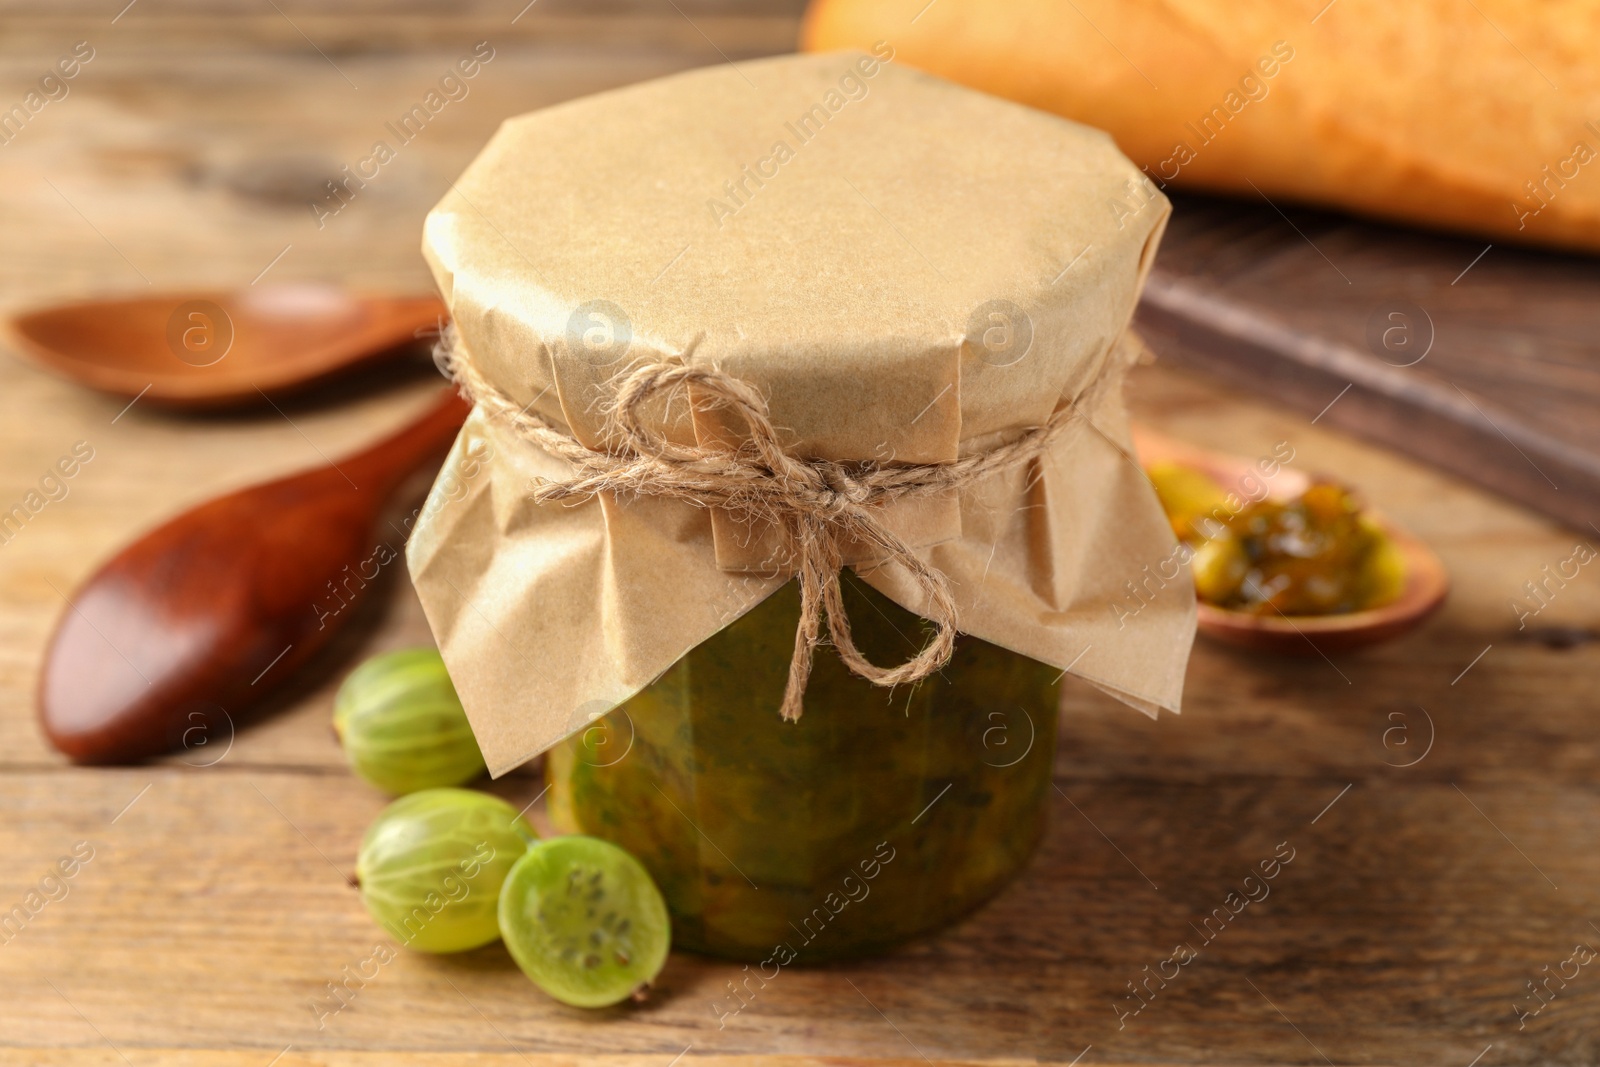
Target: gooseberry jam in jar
684,404
881,814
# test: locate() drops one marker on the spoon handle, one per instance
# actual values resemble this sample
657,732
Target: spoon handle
382,466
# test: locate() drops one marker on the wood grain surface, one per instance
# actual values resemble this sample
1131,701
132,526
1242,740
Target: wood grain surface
214,911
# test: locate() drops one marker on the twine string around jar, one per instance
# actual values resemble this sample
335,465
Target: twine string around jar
821,505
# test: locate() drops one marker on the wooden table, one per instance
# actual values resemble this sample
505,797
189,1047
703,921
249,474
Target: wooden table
1439,794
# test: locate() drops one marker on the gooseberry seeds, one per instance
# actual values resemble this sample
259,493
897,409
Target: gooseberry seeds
583,919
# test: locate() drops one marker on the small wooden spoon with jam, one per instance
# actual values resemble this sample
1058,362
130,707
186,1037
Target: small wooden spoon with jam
218,349
1422,579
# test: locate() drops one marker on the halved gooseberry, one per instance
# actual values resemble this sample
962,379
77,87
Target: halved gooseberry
583,919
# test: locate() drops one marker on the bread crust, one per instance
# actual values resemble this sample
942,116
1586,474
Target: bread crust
1425,112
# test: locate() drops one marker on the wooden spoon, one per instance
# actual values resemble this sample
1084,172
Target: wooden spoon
215,609
203,350
1426,581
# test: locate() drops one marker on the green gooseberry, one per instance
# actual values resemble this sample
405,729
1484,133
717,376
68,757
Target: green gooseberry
432,863
584,920
401,724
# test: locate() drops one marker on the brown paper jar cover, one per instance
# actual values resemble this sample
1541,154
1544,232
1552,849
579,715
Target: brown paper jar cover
908,270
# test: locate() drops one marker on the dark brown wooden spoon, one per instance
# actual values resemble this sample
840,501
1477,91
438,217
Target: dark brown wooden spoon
215,609
208,350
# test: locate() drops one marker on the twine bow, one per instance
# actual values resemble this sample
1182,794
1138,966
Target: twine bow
821,505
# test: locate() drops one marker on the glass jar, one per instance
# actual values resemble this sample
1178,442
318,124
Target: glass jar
881,814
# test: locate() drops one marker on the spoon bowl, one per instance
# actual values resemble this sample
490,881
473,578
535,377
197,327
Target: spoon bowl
1425,587
220,349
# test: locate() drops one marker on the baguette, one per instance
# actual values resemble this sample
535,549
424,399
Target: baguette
1481,117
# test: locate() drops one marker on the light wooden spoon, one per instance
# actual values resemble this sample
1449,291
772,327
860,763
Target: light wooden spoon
220,349
1426,581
